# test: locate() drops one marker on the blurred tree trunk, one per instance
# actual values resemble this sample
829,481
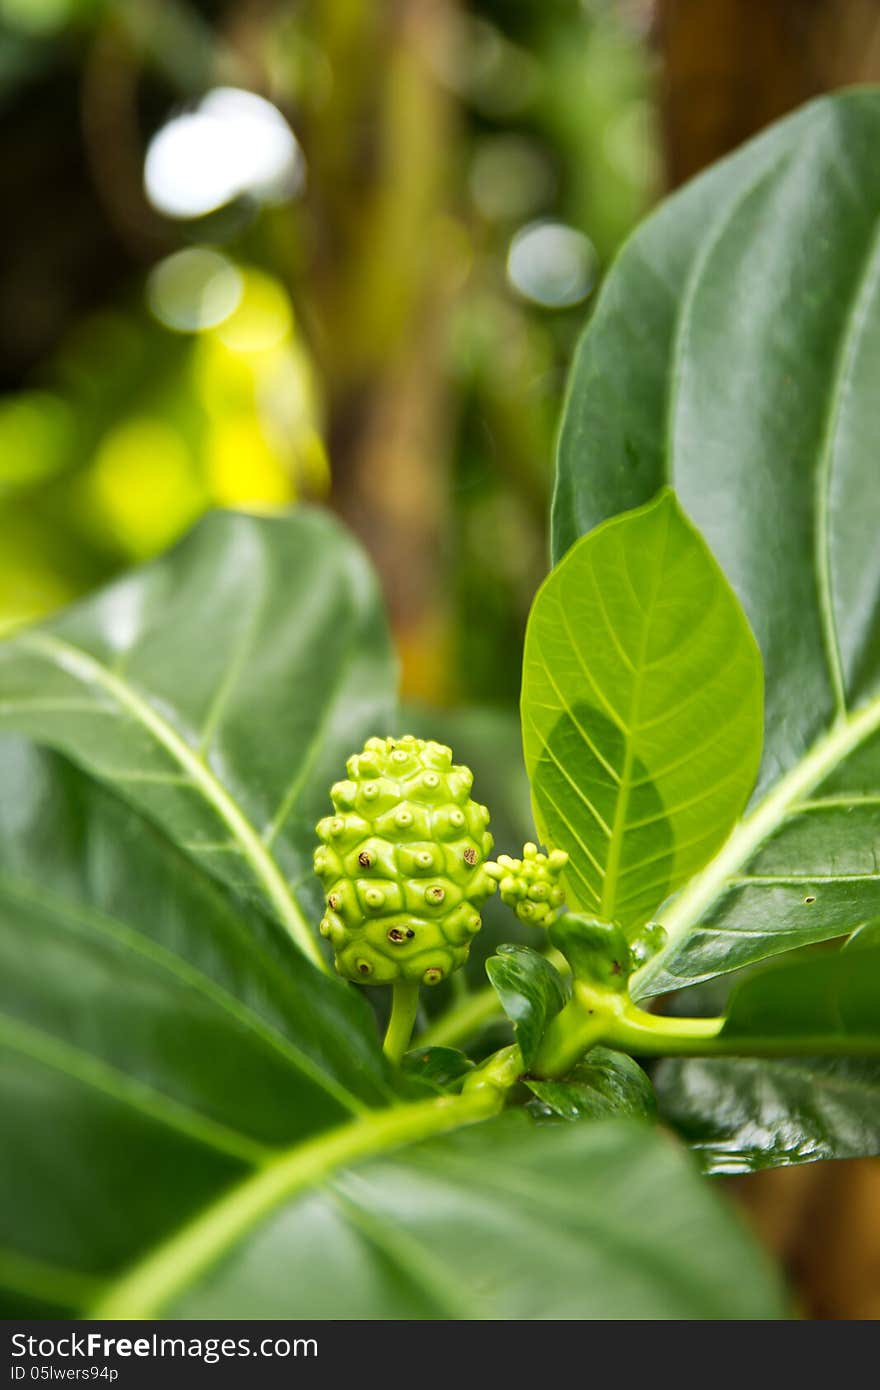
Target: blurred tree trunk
380,195
730,67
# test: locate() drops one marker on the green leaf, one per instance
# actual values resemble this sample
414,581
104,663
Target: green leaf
734,354
741,1116
868,935
505,1220
829,1000
605,1083
435,1070
531,991
641,710
188,1118
157,1040
220,690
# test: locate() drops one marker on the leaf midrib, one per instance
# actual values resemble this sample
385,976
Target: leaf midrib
83,667
167,1270
611,880
752,832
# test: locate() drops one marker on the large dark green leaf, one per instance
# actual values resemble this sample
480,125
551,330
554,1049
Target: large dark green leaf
641,710
828,1000
740,1116
186,1099
157,1040
735,353
507,1220
220,690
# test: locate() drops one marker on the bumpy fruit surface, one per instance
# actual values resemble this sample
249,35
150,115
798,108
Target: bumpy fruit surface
402,861
531,885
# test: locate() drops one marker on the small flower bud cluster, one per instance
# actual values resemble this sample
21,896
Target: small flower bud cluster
531,885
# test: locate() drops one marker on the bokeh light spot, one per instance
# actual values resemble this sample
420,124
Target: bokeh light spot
234,142
510,177
143,485
37,431
194,289
42,17
263,317
552,264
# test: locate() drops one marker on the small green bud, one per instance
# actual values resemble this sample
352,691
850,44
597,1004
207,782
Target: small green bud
403,863
531,885
597,952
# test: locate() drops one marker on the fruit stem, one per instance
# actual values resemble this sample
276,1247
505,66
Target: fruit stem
404,1007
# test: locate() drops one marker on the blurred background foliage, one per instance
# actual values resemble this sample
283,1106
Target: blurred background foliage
242,240
259,252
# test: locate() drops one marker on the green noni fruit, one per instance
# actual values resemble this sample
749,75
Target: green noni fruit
402,861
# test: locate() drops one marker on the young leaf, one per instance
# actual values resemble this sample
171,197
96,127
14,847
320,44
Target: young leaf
605,1083
742,1115
734,354
641,710
220,690
531,991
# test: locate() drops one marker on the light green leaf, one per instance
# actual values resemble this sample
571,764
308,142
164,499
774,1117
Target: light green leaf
220,690
741,1115
604,1083
734,354
641,710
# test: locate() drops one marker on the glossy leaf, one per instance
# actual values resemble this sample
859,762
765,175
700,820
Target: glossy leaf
641,710
605,1083
531,991
435,1070
220,690
742,1115
734,354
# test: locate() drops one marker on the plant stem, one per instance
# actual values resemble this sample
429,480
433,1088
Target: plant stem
599,1016
571,1033
499,1073
463,1020
404,1007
